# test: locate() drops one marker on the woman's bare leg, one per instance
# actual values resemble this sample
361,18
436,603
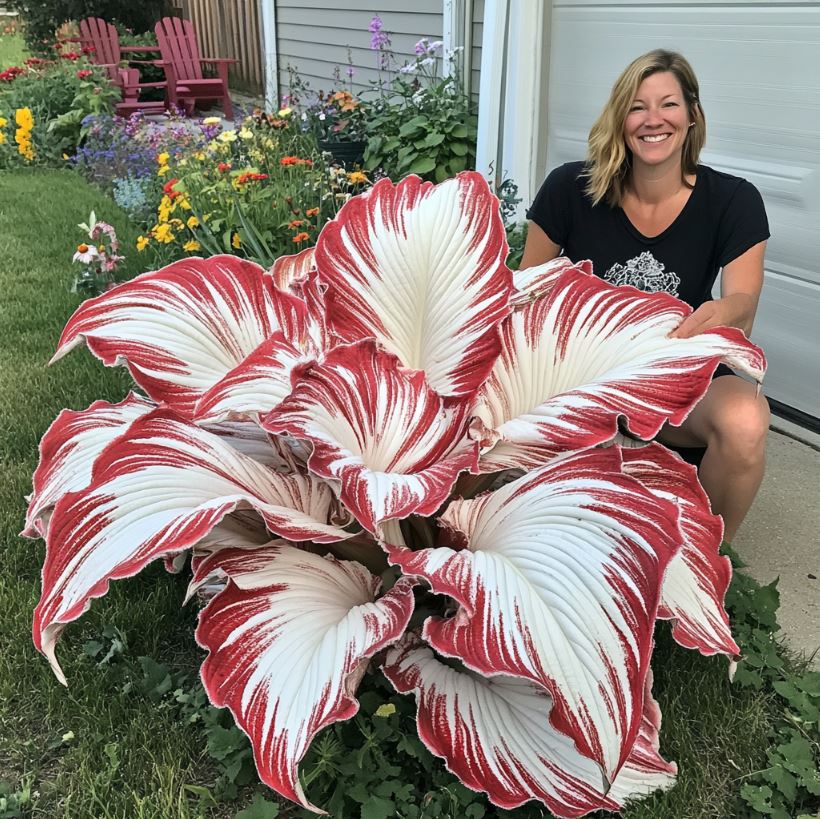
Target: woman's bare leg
731,421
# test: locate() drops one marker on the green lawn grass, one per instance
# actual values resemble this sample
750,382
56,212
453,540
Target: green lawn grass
12,49
96,750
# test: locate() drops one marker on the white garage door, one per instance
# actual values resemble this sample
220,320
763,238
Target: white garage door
758,64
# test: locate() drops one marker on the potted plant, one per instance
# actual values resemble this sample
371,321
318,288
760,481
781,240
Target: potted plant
338,120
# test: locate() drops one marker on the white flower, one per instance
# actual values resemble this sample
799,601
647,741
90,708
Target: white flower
408,69
86,253
227,136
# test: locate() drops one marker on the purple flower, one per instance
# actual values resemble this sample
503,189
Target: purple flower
421,46
350,71
375,25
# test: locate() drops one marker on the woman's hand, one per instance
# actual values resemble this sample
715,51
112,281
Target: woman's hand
730,311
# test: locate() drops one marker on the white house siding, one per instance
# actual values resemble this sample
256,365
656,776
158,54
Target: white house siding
759,69
313,37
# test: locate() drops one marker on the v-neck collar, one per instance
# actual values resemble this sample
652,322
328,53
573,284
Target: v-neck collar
651,240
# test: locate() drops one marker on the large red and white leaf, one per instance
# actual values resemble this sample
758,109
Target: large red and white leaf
377,428
558,583
645,770
156,491
289,272
68,451
697,577
495,736
532,283
588,353
254,387
420,267
289,640
297,274
183,328
250,439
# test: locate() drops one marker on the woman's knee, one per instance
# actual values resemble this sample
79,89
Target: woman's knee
740,424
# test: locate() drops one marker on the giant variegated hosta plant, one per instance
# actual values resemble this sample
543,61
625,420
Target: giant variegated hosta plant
390,453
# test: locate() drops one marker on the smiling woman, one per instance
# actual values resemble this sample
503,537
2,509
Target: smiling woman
647,214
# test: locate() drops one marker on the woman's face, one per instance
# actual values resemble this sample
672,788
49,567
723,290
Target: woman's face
657,122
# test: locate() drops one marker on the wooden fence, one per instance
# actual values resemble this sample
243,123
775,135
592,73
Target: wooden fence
230,28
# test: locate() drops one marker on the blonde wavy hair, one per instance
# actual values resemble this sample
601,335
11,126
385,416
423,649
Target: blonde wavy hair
608,160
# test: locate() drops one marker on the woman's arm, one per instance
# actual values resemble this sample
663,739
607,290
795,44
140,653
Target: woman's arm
740,286
538,248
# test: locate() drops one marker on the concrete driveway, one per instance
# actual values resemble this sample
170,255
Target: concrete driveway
781,535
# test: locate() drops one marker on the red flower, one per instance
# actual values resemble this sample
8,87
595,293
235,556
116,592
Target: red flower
88,49
168,189
249,176
70,55
83,73
10,73
34,62
223,167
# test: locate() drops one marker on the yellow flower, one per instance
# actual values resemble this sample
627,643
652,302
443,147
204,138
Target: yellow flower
2,138
66,157
211,121
24,119
236,241
283,112
200,156
192,246
3,122
184,203
192,222
162,233
162,159
163,169
356,178
142,243
246,133
386,710
227,136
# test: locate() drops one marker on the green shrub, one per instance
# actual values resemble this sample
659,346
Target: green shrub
422,123
43,17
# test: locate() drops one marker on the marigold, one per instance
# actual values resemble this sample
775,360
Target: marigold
163,233
356,178
191,246
24,119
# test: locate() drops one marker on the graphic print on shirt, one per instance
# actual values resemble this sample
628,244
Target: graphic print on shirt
646,273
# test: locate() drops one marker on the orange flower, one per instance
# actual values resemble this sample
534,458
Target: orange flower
295,160
296,223
301,237
312,212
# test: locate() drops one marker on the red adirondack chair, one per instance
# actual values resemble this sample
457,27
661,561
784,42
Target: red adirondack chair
102,37
183,67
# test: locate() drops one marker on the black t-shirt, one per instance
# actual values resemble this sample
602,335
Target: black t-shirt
723,217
